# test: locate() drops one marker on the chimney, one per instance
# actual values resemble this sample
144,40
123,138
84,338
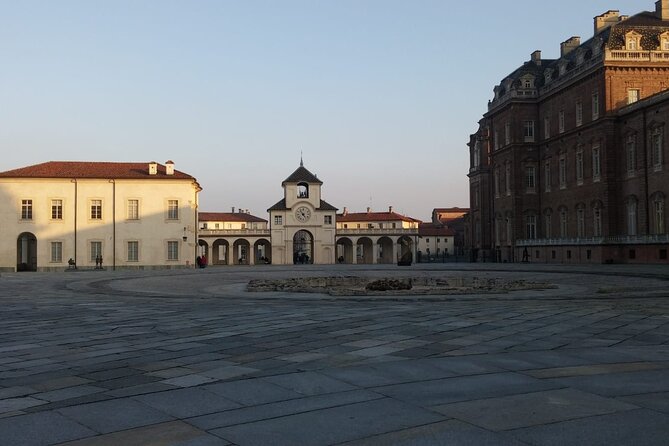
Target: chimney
369,210
662,9
610,17
153,168
345,211
241,211
169,167
569,45
247,211
390,209
536,57
233,209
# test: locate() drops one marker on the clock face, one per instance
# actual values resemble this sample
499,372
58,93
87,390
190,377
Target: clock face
302,214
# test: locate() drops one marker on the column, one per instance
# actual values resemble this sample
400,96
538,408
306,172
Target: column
252,254
375,253
354,245
394,260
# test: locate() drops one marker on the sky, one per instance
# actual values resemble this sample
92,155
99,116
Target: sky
379,96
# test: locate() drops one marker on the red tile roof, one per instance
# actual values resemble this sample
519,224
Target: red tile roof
92,169
230,216
374,216
431,229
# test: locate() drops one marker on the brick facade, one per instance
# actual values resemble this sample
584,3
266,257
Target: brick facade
569,164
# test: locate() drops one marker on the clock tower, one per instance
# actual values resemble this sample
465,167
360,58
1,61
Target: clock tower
302,224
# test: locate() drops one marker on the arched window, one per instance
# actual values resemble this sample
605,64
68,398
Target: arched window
580,220
563,222
302,190
658,213
631,215
597,219
548,226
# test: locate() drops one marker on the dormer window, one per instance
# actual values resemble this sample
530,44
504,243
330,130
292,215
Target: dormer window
527,82
633,41
563,68
548,74
664,41
580,56
302,190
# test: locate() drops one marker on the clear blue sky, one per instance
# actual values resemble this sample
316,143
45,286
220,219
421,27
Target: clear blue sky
380,95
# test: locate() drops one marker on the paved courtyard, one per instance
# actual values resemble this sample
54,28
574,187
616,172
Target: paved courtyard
190,358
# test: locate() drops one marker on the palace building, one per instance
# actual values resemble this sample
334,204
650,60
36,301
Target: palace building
569,163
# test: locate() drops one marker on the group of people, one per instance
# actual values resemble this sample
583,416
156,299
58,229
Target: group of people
201,261
301,257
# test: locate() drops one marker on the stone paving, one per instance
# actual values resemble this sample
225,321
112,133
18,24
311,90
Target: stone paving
190,358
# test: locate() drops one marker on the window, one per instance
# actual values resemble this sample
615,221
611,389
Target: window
547,176
579,113
476,154
579,166
96,250
597,221
631,216
133,251
531,227
172,209
547,127
656,148
561,121
580,222
633,41
630,148
302,190
56,252
563,223
507,133
528,131
498,224
596,163
56,209
133,210
26,209
217,225
278,219
595,106
496,181
509,230
427,240
548,229
530,178
664,44
172,250
496,138
205,225
563,172
632,95
658,214
370,225
507,179
327,219
96,209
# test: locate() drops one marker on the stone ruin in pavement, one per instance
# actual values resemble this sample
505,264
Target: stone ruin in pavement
405,286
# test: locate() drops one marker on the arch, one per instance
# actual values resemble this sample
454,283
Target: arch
302,190
26,252
220,251
345,250
241,251
203,249
385,250
365,250
303,247
405,249
262,251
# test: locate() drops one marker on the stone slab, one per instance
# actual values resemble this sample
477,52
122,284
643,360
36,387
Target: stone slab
174,433
465,388
114,415
330,426
251,392
638,427
184,403
530,409
41,429
309,383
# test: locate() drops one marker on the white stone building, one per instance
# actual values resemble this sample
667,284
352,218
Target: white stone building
130,215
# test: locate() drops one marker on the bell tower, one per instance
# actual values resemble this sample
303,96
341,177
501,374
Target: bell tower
302,224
